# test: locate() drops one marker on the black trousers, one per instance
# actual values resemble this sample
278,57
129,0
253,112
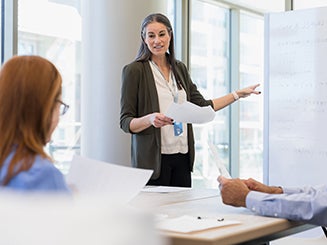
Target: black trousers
175,171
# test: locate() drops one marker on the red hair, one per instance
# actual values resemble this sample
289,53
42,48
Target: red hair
29,87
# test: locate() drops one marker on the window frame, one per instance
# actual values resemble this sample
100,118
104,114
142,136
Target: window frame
182,39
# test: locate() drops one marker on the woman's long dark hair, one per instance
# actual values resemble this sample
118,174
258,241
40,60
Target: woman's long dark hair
144,54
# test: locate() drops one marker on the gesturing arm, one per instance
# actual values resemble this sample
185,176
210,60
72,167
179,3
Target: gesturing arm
226,100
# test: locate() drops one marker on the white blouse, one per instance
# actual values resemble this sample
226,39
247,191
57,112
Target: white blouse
167,92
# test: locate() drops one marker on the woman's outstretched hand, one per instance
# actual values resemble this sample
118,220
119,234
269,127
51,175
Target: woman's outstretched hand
245,92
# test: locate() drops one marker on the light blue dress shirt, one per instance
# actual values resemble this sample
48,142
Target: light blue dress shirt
43,176
308,204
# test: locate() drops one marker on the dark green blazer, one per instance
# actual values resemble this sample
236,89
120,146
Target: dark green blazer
139,97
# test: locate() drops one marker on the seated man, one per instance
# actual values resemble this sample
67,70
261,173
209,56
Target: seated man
307,204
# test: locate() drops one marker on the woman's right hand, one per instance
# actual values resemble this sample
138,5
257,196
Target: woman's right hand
159,120
155,119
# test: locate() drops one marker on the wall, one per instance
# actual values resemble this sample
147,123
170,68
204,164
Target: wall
110,39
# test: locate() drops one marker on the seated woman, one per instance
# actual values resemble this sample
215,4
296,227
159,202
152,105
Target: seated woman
30,106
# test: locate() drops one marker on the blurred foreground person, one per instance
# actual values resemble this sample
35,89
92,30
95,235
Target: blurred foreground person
30,106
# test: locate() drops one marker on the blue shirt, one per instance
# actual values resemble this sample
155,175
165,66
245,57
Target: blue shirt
43,176
308,204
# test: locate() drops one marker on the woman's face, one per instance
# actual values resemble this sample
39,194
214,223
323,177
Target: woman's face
157,38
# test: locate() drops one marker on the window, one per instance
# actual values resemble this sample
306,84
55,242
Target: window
209,70
52,29
171,12
210,67
302,4
262,6
251,108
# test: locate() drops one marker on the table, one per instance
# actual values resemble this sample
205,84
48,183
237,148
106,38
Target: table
253,229
152,200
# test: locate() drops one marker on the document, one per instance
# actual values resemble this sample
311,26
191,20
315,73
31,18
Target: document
187,223
223,171
220,165
116,183
188,112
164,189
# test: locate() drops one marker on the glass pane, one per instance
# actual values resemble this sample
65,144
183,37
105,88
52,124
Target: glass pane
302,4
262,5
52,29
171,13
251,109
209,70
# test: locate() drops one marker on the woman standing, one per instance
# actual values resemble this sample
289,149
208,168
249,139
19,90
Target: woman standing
149,85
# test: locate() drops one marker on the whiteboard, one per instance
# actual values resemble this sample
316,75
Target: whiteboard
295,149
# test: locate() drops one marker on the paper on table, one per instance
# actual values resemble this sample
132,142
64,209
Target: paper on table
114,182
186,223
164,189
188,112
